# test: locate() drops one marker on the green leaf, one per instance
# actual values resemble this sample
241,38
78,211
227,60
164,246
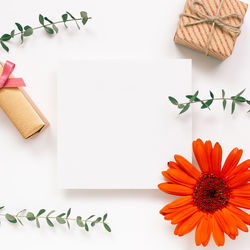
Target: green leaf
51,212
60,220
104,217
224,104
233,107
92,224
207,104
181,106
47,19
223,93
98,219
5,47
68,213
41,19
55,28
61,215
30,216
86,227
173,100
68,224
49,30
21,38
239,99
19,26
28,31
65,18
79,221
49,222
196,99
12,33
248,102
73,19
211,94
186,107
10,218
106,226
241,92
42,211
5,37
2,207
90,217
194,96
20,221
84,16
37,223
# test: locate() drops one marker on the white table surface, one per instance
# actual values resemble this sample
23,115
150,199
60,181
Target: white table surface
119,29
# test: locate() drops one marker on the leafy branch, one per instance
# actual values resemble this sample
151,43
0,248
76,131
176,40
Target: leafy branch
63,218
48,25
206,103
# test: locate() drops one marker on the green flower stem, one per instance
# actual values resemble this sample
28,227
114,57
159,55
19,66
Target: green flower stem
205,100
49,24
206,103
53,217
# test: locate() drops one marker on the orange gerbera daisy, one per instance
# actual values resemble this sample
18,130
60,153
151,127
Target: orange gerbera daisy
212,198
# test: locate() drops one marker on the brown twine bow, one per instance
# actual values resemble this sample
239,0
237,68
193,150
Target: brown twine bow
207,17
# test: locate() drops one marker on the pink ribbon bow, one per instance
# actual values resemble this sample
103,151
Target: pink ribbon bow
5,81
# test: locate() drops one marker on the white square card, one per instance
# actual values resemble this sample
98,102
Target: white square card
116,126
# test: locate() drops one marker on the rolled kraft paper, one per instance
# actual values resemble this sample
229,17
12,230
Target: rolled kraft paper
21,110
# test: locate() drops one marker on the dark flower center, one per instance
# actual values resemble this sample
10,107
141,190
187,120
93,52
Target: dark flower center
211,193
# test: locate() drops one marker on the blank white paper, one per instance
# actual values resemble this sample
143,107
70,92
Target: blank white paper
116,126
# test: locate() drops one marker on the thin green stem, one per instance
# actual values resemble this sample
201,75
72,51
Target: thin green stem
205,100
51,217
49,24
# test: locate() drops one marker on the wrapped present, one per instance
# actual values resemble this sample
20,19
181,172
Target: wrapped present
17,105
211,26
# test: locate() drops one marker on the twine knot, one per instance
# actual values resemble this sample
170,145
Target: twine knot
205,16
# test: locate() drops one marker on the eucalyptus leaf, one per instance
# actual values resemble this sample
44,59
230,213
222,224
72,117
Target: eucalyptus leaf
84,16
41,211
186,107
60,220
211,94
5,37
49,222
223,93
224,104
86,227
37,223
98,219
233,107
30,216
65,18
106,226
79,221
41,19
104,217
55,28
11,218
19,26
173,100
12,33
49,30
68,213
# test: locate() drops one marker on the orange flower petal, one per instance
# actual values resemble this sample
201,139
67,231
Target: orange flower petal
179,202
171,213
228,218
201,155
209,149
190,223
203,231
232,161
217,232
239,180
187,167
240,202
245,217
169,178
216,158
221,222
239,223
175,189
181,177
173,165
181,216
244,166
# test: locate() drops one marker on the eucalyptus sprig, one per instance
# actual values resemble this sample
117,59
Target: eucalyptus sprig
48,25
62,218
206,103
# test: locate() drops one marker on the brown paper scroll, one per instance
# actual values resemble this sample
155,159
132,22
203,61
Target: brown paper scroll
22,111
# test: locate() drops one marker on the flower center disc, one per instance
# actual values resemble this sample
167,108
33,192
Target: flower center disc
211,193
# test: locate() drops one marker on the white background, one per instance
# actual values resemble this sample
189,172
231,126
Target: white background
119,29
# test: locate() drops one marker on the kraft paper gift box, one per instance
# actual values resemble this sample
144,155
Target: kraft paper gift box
22,111
211,26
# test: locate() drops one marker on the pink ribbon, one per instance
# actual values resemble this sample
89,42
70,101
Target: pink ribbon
5,81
